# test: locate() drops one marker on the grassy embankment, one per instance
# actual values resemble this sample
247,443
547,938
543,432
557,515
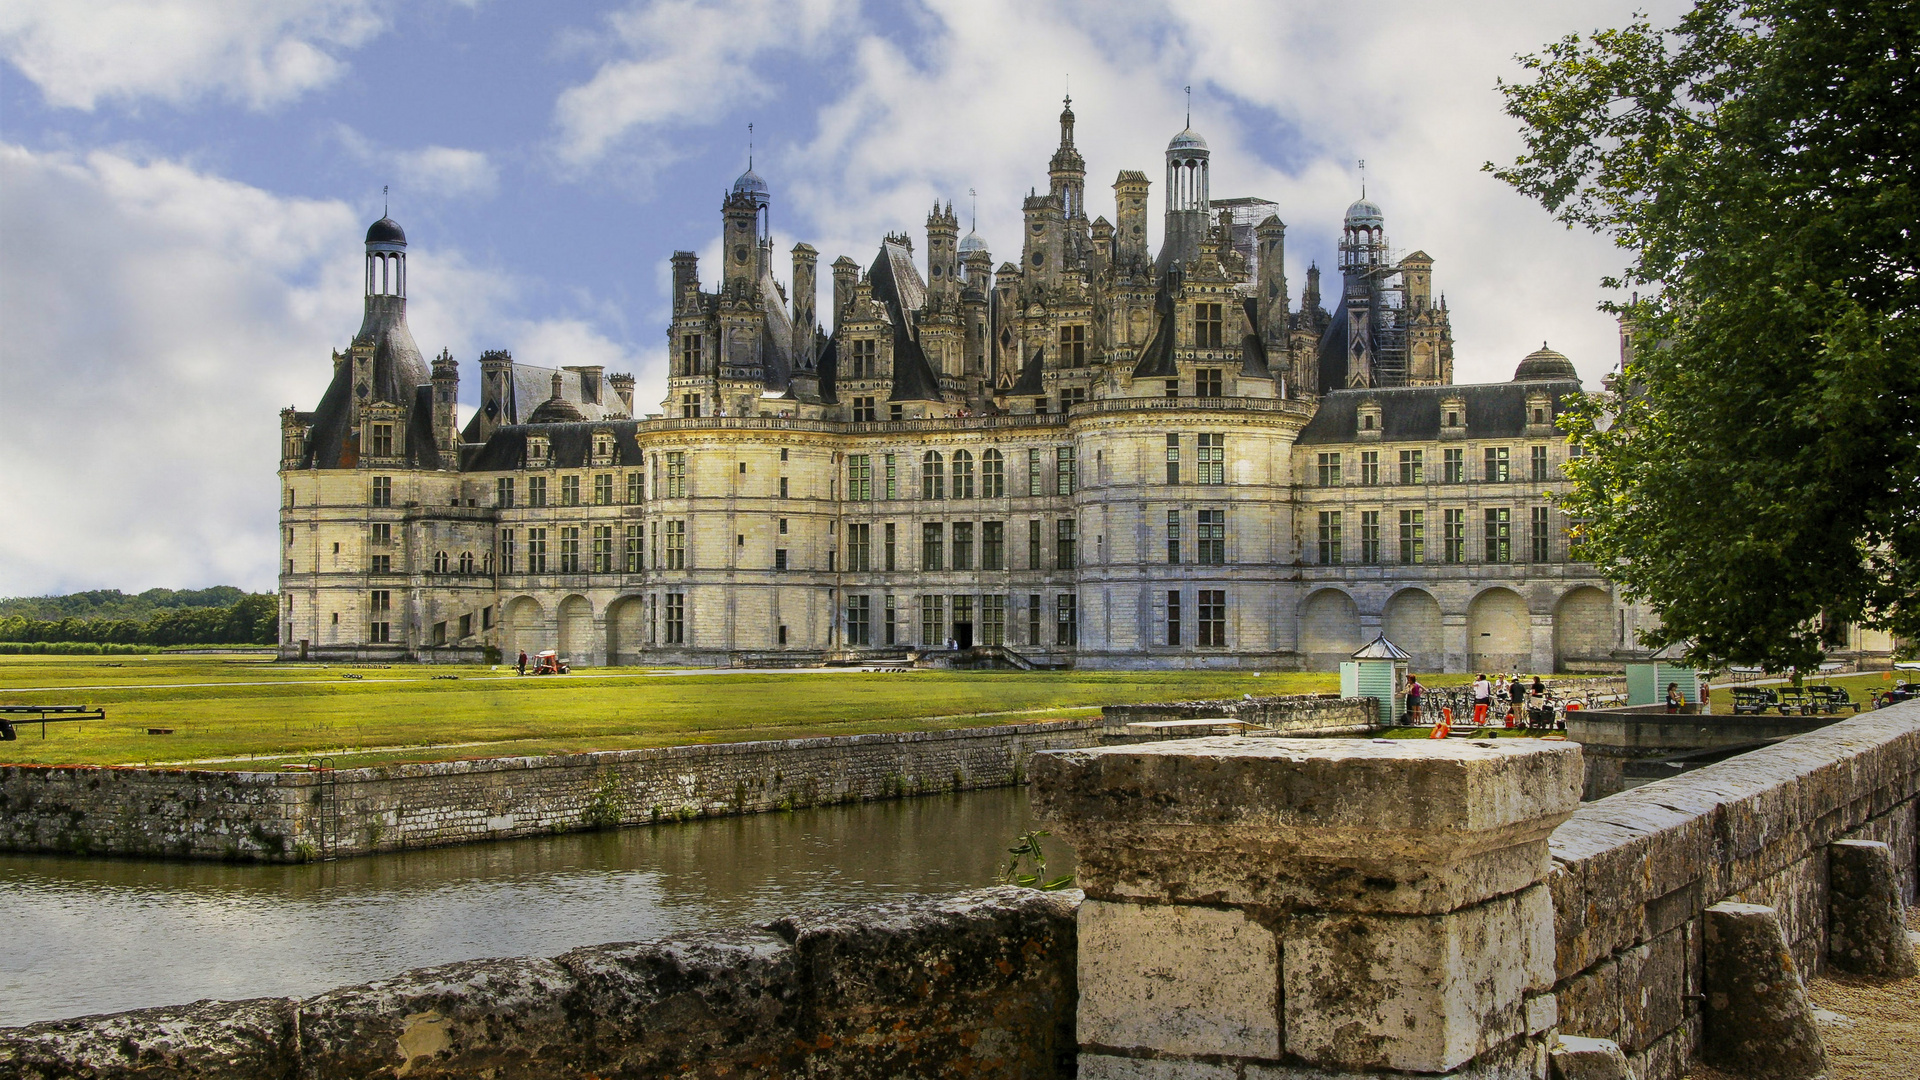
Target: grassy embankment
259,714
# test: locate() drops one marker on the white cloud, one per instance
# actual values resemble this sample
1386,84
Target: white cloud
695,61
433,170
259,54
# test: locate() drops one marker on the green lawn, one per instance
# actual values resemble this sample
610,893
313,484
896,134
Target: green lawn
264,713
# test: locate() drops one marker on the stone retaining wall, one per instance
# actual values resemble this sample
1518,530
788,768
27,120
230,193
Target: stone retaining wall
298,816
980,985
1634,872
1292,714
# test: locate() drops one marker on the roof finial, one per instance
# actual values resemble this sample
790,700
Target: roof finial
975,196
749,146
383,200
1363,178
1069,99
1189,108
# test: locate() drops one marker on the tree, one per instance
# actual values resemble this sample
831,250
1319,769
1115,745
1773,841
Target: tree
1753,472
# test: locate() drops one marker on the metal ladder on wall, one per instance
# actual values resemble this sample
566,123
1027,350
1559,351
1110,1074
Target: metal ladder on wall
326,819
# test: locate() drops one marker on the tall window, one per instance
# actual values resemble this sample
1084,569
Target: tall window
383,491
1212,467
864,410
1413,536
1210,545
1073,345
603,549
382,533
932,546
603,489
1071,396
963,545
466,566
1211,607
570,549
1454,464
379,630
441,563
1454,529
690,354
1329,537
1576,541
1033,545
1173,538
379,564
1173,616
690,406
887,621
1369,536
889,545
1497,463
1538,457
962,474
503,492
636,488
569,491
962,613
859,547
506,551
1033,619
1540,540
636,548
676,618
1033,473
1499,535
993,545
1369,467
1208,383
676,474
1063,470
536,491
993,620
1209,326
1173,458
933,476
863,357
1066,532
1329,466
933,621
993,475
860,477
382,441
860,620
1413,467
536,551
676,545
1066,620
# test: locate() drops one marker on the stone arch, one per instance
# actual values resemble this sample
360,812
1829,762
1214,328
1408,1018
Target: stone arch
576,630
1499,632
1329,629
1583,630
525,624
1411,620
626,627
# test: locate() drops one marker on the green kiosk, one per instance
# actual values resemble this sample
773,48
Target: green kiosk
1379,671
1648,676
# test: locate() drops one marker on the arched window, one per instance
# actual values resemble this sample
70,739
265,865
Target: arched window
993,475
962,475
440,562
933,476
466,562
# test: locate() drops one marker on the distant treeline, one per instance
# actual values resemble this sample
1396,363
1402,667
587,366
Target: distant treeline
114,604
248,619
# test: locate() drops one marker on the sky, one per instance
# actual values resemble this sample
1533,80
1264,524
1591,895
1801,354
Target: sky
184,185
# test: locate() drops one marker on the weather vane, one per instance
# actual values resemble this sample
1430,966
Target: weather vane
975,196
1363,178
383,200
749,146
1189,107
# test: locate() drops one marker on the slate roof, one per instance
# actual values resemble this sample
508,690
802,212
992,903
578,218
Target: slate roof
1253,350
529,386
897,285
398,373
1412,413
1156,360
569,446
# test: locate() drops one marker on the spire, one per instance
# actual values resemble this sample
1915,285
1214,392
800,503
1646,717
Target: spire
1189,108
1363,178
749,146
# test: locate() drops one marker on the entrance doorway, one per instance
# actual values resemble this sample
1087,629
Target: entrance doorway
963,635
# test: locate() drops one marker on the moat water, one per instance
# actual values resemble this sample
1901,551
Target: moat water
102,935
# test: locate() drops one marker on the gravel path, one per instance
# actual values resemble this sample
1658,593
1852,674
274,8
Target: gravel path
1871,1026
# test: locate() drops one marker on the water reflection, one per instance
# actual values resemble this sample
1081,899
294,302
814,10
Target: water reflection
95,935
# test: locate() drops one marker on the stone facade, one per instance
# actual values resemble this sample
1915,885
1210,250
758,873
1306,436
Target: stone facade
1098,455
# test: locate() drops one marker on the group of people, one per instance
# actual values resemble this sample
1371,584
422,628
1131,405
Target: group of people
1519,696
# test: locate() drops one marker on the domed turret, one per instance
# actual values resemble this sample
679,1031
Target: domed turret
1364,213
556,409
750,183
386,231
1188,139
1544,363
972,243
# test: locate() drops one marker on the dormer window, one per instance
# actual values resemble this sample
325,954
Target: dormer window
1366,423
537,451
1368,419
603,447
381,442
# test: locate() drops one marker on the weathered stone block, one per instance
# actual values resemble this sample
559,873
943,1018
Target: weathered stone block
1758,1020
1113,1067
208,1040
1868,932
1577,1058
1178,979
1421,993
1352,825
